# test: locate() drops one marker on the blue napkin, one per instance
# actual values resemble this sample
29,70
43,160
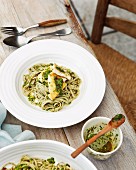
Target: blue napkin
10,134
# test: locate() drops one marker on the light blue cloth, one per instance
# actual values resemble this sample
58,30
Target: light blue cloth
9,133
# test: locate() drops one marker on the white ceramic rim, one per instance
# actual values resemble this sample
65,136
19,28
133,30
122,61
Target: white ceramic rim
101,118
40,142
16,106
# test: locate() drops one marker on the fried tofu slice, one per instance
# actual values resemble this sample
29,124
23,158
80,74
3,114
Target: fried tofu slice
52,87
60,73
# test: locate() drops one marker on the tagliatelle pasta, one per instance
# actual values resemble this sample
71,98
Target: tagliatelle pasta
50,86
28,163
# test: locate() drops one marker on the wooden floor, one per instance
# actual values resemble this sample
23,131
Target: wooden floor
121,73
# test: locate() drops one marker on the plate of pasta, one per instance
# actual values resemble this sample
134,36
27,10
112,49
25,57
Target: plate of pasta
41,155
51,83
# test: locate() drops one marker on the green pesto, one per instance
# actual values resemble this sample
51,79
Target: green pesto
59,84
117,117
31,97
46,73
106,142
51,160
60,69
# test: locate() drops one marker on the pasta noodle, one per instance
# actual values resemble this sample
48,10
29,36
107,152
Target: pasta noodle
50,86
28,163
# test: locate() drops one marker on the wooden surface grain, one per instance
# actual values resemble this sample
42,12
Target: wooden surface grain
25,13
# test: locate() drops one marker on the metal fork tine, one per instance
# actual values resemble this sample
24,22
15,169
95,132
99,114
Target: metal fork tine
2,29
8,27
9,32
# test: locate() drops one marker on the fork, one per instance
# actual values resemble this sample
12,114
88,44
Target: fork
20,31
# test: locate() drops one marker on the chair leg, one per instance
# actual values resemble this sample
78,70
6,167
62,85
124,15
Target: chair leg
99,21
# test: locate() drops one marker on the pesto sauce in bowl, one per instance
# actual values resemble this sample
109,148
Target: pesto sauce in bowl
106,143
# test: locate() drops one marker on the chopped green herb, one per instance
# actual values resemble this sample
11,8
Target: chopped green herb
68,70
60,69
90,136
117,117
31,97
25,83
36,67
45,83
46,73
59,84
51,160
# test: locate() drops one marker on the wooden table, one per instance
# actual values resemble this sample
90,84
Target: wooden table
27,12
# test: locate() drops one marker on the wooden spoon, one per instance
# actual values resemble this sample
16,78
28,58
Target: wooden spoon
114,123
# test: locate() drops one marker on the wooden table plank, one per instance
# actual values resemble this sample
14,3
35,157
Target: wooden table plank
40,133
26,13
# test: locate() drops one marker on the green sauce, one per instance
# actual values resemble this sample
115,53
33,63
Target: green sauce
105,143
59,84
46,73
117,117
60,69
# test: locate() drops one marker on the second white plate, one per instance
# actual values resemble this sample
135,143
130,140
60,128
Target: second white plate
62,53
44,149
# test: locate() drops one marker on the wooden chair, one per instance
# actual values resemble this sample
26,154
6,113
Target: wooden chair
120,71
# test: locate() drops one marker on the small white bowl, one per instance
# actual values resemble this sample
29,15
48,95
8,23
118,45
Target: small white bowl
92,122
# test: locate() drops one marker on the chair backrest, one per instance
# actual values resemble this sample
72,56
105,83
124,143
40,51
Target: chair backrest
122,25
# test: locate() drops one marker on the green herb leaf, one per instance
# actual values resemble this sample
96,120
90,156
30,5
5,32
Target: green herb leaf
46,73
60,69
51,160
59,84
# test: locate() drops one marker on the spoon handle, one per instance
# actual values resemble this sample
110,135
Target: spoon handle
91,140
52,22
79,150
40,35
57,33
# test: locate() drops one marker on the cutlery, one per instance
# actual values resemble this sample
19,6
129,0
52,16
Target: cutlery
20,31
115,122
18,41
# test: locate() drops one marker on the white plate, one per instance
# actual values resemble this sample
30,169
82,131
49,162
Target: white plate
44,149
62,53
